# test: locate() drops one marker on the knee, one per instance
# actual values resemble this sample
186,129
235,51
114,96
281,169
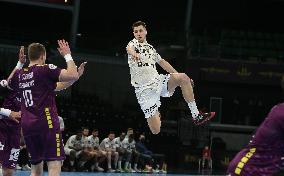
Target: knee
156,129
184,79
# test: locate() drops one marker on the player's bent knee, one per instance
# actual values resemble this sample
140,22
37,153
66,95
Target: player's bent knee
155,130
184,78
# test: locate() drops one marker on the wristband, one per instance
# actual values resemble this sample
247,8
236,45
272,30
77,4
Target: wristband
68,57
19,65
5,112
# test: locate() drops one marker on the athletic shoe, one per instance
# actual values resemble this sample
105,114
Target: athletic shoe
203,117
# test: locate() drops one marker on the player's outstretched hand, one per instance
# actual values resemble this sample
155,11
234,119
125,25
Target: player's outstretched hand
136,56
63,47
81,69
22,56
15,116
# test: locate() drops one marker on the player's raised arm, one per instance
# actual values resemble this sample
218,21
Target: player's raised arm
69,74
20,64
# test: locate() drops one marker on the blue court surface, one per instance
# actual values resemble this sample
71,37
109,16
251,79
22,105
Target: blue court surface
27,173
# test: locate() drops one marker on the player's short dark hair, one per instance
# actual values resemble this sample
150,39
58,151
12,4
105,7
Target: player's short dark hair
111,132
129,129
35,50
138,23
95,130
84,128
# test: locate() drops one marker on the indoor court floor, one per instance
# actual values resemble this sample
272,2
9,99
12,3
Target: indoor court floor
27,173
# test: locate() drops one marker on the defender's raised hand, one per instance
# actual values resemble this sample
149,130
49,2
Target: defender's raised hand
63,47
81,69
22,56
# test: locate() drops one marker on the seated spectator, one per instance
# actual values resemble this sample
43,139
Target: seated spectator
148,158
123,154
108,146
129,146
99,155
73,148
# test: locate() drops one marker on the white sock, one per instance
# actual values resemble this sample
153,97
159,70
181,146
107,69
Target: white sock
119,165
72,163
97,164
193,108
126,165
135,166
109,165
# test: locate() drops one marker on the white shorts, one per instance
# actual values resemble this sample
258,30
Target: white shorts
148,96
68,151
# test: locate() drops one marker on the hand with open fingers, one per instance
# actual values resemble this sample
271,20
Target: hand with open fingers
63,47
136,56
22,56
15,116
81,69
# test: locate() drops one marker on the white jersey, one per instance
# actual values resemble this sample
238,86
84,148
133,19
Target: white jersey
61,122
94,141
143,71
118,142
73,142
85,142
107,143
128,146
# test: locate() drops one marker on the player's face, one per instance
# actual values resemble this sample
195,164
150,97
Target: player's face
111,136
96,134
130,132
140,33
85,132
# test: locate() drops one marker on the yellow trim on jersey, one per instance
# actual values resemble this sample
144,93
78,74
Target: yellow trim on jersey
244,160
57,136
48,118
